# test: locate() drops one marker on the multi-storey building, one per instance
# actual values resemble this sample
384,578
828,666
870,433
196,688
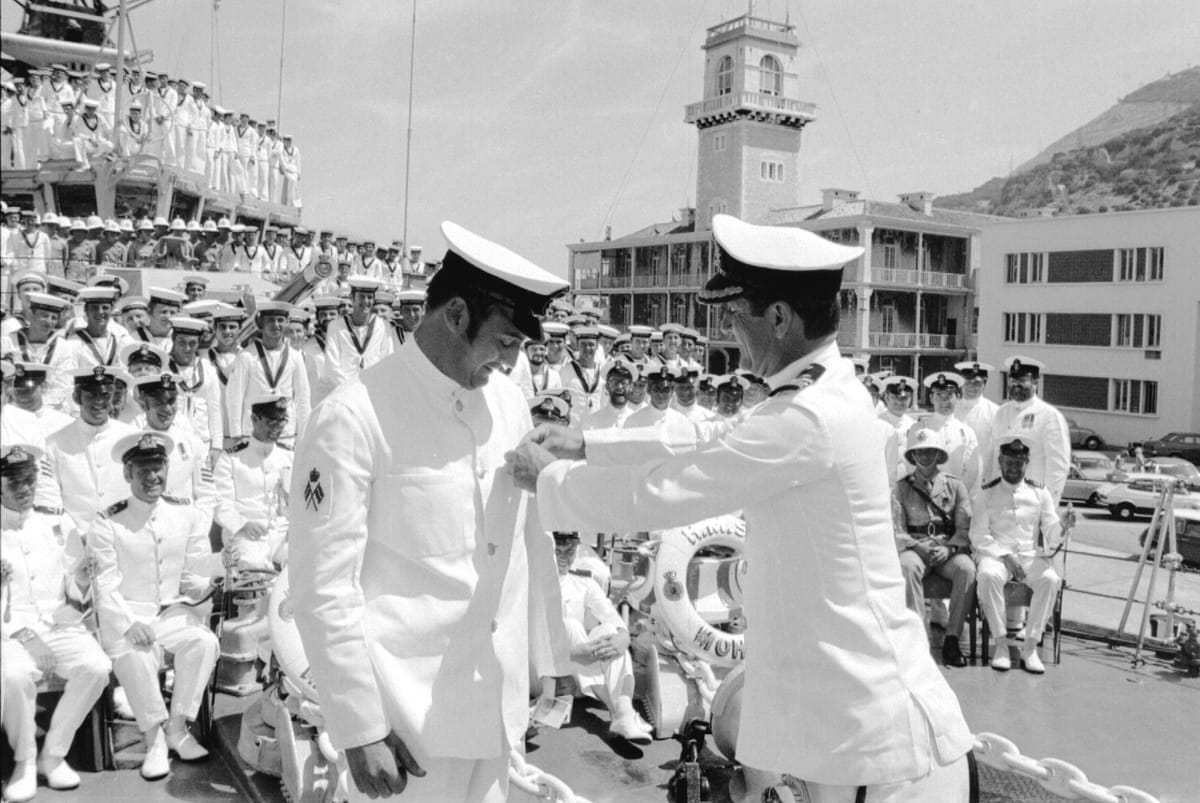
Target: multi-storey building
908,303
1111,304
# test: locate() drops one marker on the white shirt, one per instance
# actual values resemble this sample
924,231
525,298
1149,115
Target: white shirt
79,474
249,379
350,348
1049,442
416,579
978,414
1007,519
606,417
813,487
252,481
44,549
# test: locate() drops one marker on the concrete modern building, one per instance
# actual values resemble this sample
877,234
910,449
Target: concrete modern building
1111,304
908,303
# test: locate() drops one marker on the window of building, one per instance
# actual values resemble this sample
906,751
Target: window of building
1078,329
891,255
725,75
1083,392
719,142
975,321
770,171
1025,268
1135,396
770,76
1080,266
1023,327
887,317
1139,331
1140,264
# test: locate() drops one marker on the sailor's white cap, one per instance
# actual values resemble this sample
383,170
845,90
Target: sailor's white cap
182,324
99,293
554,329
410,297
586,332
277,307
475,262
552,405
607,331
226,312
639,330
327,302
774,259
363,284
970,369
142,444
1019,365
47,301
162,295
195,278
671,326
944,380
133,302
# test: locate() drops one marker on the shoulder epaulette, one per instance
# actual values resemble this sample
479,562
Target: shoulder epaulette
116,507
992,483
49,511
283,446
175,500
581,572
1034,483
237,447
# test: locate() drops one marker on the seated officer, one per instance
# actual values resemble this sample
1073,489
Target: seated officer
42,632
1013,533
191,478
600,660
551,407
252,480
149,551
932,514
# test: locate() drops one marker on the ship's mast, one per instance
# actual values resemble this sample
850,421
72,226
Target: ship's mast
412,51
121,19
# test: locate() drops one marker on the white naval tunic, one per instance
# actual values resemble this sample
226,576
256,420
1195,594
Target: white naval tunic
417,575
1049,442
252,482
349,348
840,685
978,414
79,474
606,417
282,373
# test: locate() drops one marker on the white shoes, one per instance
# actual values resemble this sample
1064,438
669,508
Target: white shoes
157,763
632,728
22,785
121,705
184,745
1031,662
58,773
1001,661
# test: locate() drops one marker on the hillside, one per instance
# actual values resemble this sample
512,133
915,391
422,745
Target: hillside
1147,106
1150,167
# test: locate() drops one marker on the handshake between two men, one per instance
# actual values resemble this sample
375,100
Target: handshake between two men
541,447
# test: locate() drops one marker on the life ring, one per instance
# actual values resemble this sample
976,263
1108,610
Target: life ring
285,640
675,551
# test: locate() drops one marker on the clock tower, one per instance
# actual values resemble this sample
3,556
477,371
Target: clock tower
749,121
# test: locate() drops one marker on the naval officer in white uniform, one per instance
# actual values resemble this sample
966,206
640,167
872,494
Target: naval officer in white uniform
1041,423
418,578
840,688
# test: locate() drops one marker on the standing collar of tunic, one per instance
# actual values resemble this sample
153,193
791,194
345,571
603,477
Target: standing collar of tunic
11,519
823,354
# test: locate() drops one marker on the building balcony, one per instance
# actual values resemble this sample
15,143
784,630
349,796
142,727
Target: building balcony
615,282
690,281
918,278
587,282
912,340
657,280
758,105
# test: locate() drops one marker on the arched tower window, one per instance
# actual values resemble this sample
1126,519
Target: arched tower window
770,76
725,75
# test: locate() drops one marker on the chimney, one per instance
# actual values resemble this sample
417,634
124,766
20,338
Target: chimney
832,197
918,201
607,233
687,216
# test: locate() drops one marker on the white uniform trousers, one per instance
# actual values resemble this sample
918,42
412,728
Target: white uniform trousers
37,143
239,171
79,661
181,631
179,132
608,679
948,783
465,780
262,179
197,152
1040,575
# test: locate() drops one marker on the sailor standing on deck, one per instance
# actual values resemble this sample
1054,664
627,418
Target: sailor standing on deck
974,409
1044,427
358,340
201,390
227,322
418,578
268,365
898,395
958,439
581,376
845,696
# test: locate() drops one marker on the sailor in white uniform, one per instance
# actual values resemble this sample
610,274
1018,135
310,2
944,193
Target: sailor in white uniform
418,579
1045,429
899,393
846,696
958,439
47,580
150,549
974,409
617,376
268,365
660,385
358,340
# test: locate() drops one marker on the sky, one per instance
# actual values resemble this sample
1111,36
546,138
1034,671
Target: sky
536,123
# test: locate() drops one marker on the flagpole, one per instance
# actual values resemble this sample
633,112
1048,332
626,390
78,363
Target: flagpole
412,51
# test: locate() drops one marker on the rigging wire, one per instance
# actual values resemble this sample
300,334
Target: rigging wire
217,42
279,86
650,122
824,73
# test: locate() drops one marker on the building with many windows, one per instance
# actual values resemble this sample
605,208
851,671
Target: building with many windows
908,302
1111,304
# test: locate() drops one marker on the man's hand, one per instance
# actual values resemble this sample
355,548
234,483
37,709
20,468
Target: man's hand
213,454
562,442
84,572
938,555
375,769
252,531
140,634
525,463
1014,568
40,654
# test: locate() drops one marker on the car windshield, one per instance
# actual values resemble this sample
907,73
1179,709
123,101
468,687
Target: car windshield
1093,462
1182,470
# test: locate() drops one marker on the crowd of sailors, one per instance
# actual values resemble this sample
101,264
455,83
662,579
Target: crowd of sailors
144,449
58,113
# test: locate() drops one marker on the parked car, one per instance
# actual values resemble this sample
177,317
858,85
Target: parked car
1177,467
1093,465
1081,488
1128,499
1084,436
1187,536
1175,444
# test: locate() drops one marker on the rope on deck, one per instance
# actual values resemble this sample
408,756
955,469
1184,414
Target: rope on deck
1054,775
538,783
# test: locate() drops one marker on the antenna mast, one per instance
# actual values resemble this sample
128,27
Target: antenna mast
412,52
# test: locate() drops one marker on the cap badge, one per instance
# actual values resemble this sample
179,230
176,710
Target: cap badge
148,442
98,372
17,455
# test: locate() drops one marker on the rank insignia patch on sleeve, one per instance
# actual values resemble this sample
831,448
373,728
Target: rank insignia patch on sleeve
314,494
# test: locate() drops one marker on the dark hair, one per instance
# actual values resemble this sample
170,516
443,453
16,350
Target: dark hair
820,315
480,306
